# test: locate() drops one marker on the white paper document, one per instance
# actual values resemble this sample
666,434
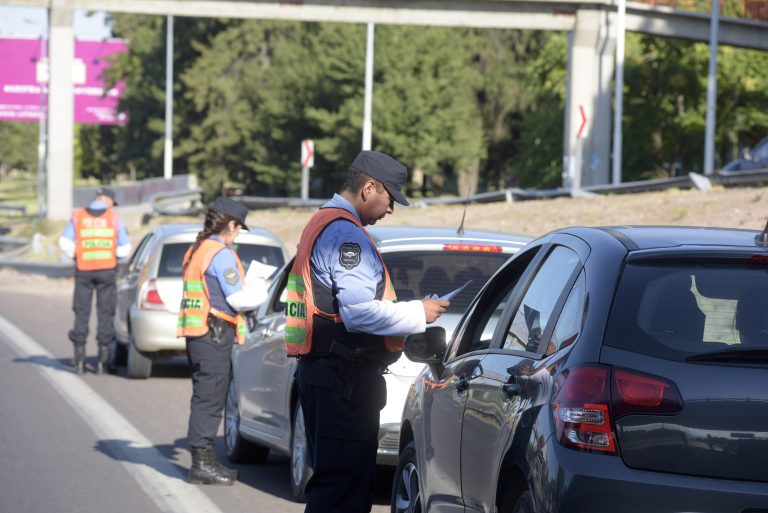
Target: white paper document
451,294
259,271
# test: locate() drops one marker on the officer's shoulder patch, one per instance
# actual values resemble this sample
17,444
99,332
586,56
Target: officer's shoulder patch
349,254
230,275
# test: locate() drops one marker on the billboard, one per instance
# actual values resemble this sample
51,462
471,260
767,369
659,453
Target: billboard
24,79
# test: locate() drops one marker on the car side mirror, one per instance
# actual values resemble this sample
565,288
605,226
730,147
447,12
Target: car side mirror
427,347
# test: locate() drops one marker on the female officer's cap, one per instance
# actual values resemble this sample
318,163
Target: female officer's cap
232,208
383,168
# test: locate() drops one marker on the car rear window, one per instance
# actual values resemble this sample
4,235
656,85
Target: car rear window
173,255
416,274
674,311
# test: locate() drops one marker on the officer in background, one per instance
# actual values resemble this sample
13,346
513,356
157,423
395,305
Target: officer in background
344,323
210,318
96,238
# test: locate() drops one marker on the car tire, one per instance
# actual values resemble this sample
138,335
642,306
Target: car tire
118,354
139,365
238,449
301,468
406,489
524,503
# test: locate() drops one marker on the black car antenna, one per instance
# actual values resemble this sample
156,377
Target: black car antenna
761,239
460,231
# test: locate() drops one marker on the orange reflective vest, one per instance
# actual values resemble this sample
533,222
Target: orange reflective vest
95,240
195,298
302,312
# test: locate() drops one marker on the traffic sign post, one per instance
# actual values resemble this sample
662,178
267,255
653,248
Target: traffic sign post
307,161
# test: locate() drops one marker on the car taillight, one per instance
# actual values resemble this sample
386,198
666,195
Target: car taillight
592,398
635,392
150,297
582,418
472,247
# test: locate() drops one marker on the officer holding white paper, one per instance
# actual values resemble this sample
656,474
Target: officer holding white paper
211,318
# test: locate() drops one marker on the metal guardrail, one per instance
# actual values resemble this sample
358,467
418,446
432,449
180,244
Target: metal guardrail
11,248
190,203
177,203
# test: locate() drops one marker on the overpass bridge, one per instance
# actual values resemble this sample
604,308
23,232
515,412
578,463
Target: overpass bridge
591,25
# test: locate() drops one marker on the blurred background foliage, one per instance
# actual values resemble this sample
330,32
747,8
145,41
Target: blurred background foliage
467,110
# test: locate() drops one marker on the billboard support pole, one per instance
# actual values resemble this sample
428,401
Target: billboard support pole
42,136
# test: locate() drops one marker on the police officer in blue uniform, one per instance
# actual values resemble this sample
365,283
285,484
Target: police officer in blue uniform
209,354
102,280
341,388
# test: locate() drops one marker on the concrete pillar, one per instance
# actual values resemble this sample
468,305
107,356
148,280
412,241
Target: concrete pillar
61,111
587,144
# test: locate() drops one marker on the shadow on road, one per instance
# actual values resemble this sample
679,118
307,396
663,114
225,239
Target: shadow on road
157,457
273,477
62,364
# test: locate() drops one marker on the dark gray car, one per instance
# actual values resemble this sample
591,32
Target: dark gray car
600,370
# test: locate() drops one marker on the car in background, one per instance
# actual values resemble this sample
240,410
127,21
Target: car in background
750,159
601,370
149,292
263,412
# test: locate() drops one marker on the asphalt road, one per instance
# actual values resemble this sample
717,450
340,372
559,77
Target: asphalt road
93,443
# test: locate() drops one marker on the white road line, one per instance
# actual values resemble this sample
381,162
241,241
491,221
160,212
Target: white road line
160,479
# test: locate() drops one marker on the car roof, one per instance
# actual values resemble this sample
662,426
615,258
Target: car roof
174,229
413,237
660,237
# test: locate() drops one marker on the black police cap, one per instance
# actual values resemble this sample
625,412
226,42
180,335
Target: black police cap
383,168
109,193
232,208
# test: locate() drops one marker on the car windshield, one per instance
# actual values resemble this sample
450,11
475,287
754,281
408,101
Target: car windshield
675,311
416,274
173,255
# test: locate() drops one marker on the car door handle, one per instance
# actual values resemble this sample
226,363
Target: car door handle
461,384
511,389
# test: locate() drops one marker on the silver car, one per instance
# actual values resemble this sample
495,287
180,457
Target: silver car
149,292
263,412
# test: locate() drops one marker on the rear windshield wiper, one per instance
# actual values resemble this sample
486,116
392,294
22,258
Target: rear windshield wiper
751,355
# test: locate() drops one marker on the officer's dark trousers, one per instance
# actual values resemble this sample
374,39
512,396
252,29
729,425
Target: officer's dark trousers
342,435
103,282
210,365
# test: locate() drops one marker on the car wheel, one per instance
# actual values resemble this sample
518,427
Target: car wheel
301,469
406,491
239,450
139,365
118,354
524,503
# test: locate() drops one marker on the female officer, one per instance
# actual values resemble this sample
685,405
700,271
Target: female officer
210,318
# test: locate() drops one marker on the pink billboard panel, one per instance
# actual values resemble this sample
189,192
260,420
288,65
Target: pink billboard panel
24,77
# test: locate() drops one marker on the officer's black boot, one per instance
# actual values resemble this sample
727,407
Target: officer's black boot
102,365
78,363
206,469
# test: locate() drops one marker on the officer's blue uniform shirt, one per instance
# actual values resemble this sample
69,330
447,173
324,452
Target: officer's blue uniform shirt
345,260
223,278
122,233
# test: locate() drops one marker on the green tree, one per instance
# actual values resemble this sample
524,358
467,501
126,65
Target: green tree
16,152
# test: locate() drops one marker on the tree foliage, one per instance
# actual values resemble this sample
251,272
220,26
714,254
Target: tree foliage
468,110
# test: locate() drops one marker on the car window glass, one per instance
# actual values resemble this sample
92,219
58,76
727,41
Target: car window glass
675,311
269,255
475,332
172,257
533,313
416,274
138,258
760,152
569,323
